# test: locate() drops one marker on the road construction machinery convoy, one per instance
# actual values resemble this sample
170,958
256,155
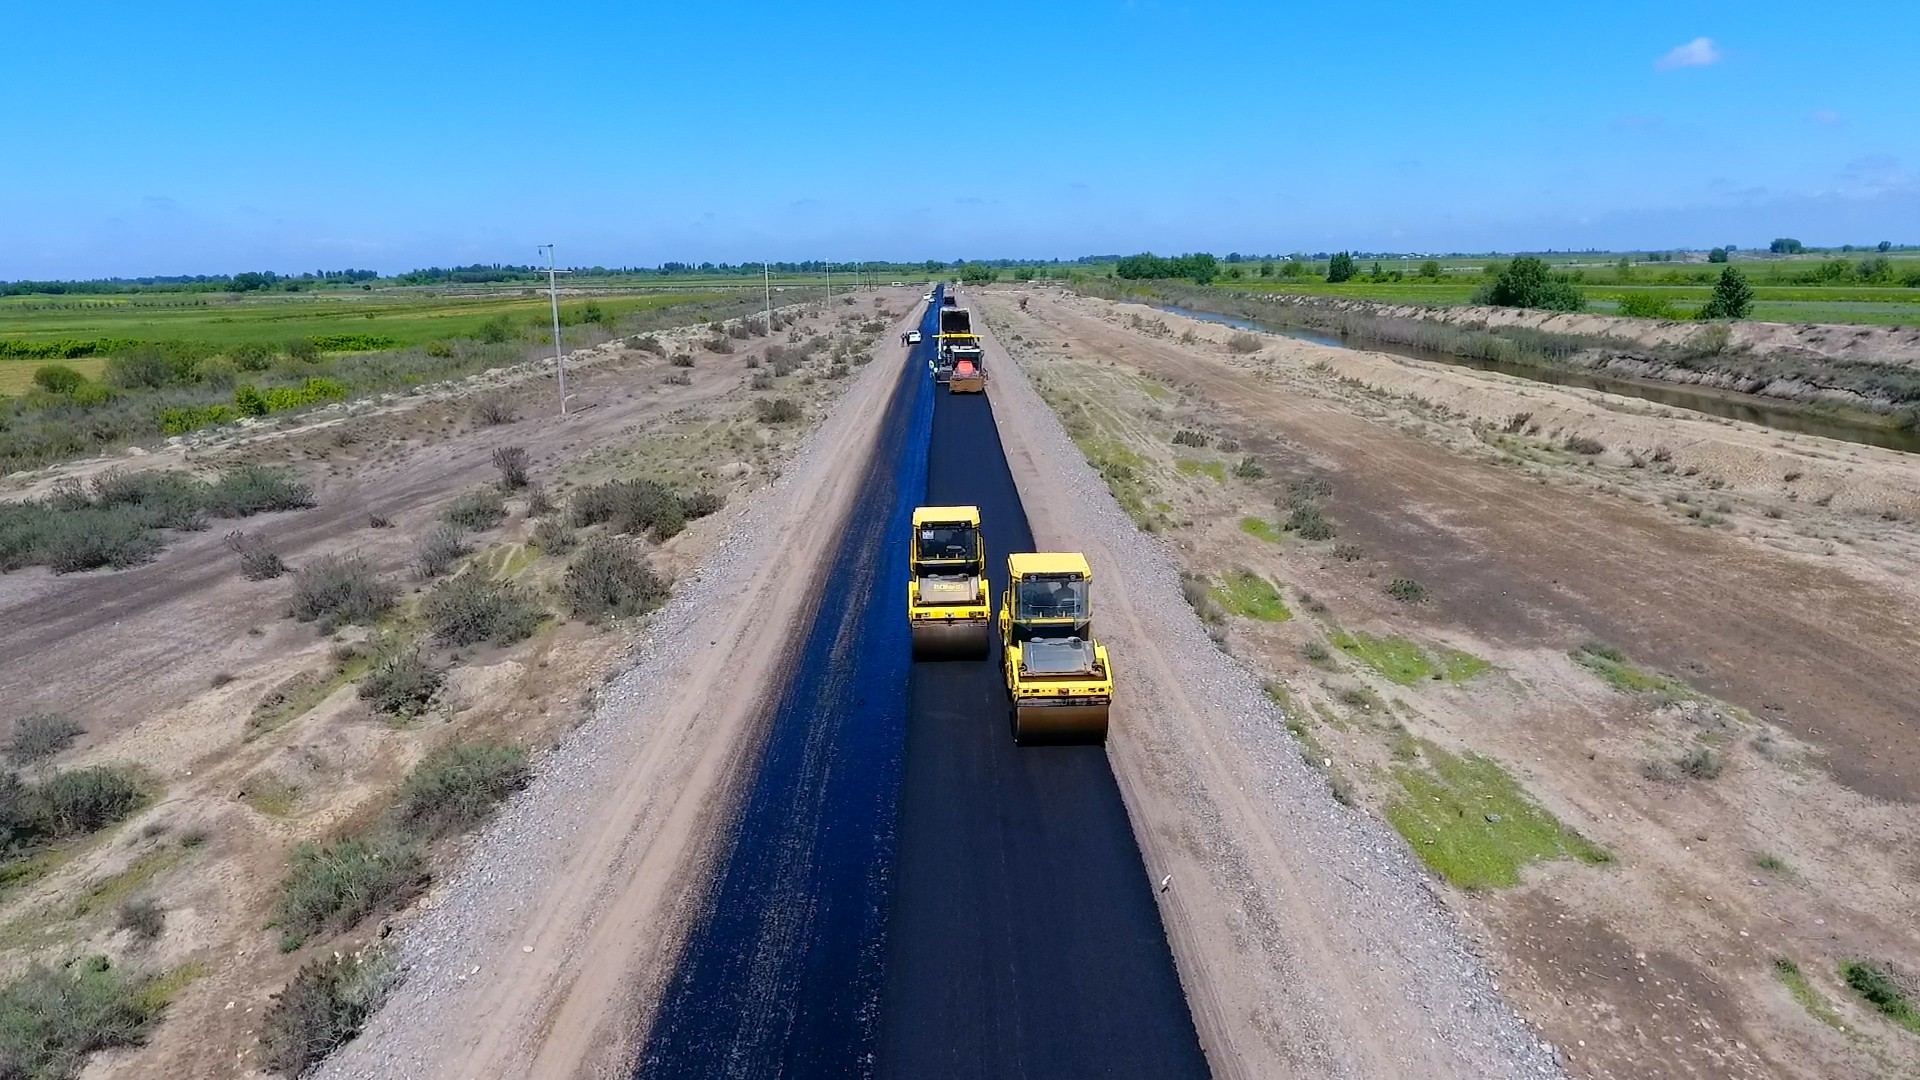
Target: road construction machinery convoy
958,359
1059,679
949,610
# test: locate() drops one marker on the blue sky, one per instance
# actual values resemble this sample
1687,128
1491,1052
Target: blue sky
141,140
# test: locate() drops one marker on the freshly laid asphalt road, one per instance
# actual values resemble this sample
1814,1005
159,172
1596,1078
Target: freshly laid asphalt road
907,893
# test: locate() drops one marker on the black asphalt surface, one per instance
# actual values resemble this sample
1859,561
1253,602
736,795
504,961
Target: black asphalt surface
906,892
1024,939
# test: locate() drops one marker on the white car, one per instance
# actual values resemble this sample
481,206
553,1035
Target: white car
913,337
928,298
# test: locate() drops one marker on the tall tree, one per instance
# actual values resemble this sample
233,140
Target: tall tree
1732,297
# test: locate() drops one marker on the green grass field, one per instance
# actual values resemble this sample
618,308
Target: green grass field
402,317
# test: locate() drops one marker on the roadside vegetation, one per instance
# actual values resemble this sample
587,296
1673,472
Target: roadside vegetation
1472,824
156,366
120,518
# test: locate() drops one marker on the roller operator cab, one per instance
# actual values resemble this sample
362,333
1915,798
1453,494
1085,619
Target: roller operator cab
949,610
1059,680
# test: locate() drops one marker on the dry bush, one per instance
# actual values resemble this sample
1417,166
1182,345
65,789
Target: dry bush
439,551
610,578
776,410
325,1006
477,510
512,463
258,562
401,682
1244,343
336,589
469,610
37,737
631,506
493,410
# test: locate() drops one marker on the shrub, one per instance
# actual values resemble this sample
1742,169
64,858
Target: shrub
1732,297
477,510
682,360
776,410
439,551
1880,990
144,918
494,410
609,577
554,536
1701,763
52,1019
258,562
334,886
455,787
718,343
251,356
249,401
647,343
497,330
57,378
538,501
118,537
1581,444
1185,437
37,737
761,380
340,589
512,463
470,609
256,489
1308,522
1527,282
1243,343
82,801
90,395
1249,469
1406,590
701,504
325,1006
400,682
631,506
1646,306
379,521
1347,552
141,369
678,378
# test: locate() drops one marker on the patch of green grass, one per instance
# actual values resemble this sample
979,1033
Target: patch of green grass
1191,466
1261,528
1879,990
1460,666
164,988
270,795
1804,992
109,894
53,1019
1772,864
1474,825
1246,593
1618,672
1394,657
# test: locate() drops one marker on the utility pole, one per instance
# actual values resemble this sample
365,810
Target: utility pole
559,358
766,273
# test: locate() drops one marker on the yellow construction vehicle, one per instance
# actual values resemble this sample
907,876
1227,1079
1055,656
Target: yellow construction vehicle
948,606
1058,678
969,374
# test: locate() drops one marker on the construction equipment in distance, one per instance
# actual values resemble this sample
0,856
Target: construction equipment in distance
1059,680
949,610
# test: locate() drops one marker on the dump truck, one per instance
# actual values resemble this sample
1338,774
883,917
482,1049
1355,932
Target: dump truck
949,610
969,375
1059,680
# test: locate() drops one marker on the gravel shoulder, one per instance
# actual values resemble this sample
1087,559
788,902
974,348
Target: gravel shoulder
1307,938
545,954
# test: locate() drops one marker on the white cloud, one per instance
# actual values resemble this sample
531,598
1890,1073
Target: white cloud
1699,52
1827,118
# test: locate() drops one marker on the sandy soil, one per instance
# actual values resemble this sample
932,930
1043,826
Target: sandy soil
1694,544
168,665
1306,940
547,954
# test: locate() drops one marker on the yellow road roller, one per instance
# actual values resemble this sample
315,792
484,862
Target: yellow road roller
1058,678
948,607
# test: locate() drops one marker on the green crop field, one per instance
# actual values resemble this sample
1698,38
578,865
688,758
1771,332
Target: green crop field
386,319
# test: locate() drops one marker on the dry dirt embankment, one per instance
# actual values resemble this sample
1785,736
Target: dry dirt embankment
246,724
1859,367
1306,938
545,954
1636,693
